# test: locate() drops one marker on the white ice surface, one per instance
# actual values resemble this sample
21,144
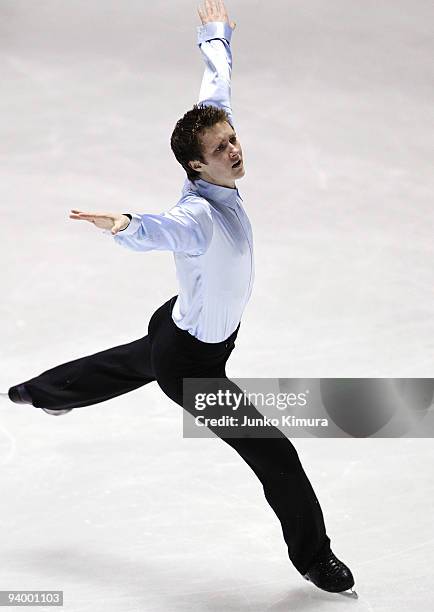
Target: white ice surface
332,104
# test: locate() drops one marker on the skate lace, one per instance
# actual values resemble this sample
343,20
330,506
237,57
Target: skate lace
334,566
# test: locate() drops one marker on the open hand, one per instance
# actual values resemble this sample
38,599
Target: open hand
111,221
214,10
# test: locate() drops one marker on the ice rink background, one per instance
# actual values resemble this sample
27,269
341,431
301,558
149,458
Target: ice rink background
332,104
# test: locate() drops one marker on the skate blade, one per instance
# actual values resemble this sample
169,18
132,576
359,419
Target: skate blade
350,593
56,412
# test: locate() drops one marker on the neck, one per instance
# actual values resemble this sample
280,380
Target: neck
229,184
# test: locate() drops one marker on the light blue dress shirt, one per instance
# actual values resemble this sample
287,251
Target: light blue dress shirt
208,229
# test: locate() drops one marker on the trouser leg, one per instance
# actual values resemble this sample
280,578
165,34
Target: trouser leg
94,378
286,486
290,494
276,463
175,355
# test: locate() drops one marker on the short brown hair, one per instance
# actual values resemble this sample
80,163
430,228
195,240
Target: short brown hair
185,141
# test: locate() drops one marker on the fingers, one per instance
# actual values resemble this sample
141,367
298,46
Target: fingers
224,14
216,10
213,10
222,10
77,214
209,6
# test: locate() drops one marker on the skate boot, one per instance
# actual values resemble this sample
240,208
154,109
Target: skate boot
330,574
20,395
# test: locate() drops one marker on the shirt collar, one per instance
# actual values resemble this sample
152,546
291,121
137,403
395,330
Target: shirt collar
216,193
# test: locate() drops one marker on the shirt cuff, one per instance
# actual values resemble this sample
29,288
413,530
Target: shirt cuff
214,29
133,226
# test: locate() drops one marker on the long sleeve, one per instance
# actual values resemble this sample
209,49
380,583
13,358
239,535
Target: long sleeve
214,42
185,228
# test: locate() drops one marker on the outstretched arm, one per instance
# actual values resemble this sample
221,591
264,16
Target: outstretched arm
187,228
214,37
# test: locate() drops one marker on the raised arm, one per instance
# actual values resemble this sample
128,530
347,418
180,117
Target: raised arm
214,37
186,228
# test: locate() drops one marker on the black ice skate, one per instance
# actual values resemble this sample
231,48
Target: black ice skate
20,395
330,574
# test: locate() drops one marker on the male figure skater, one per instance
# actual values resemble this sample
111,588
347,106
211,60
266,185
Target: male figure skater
193,333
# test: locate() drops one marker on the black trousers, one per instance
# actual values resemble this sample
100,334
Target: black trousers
168,354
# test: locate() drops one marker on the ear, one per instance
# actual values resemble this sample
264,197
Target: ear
195,165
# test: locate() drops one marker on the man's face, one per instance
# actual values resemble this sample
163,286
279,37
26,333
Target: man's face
221,150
